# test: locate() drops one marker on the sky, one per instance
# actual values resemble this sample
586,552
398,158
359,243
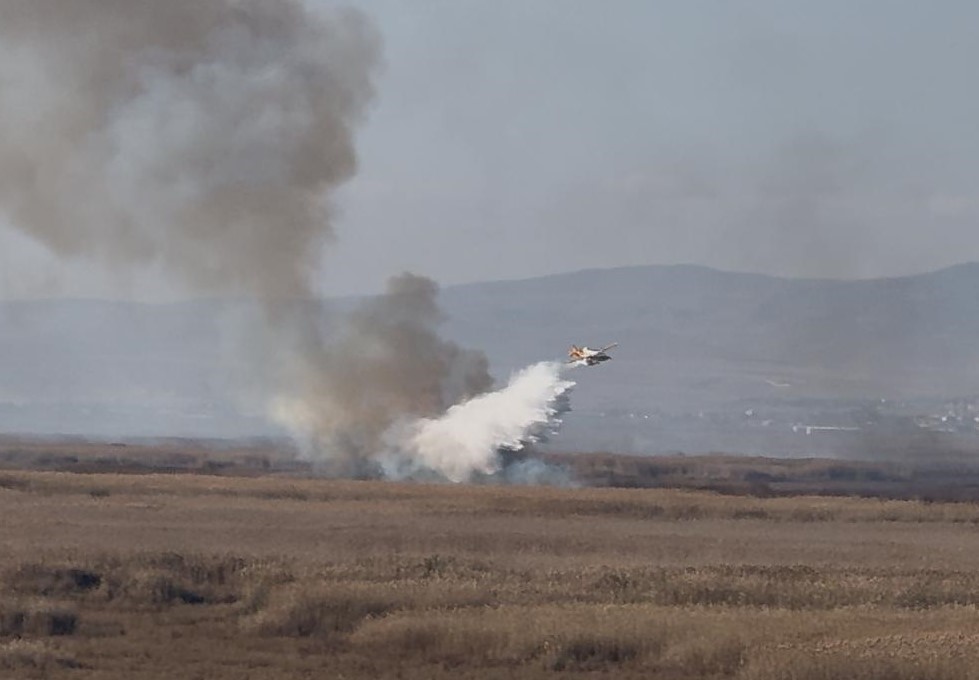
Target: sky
516,139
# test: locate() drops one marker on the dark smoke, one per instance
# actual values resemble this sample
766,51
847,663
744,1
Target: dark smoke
205,137
387,366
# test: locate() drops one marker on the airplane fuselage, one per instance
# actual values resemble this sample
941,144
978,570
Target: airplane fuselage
585,356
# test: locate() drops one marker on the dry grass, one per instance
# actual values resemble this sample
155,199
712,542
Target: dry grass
20,658
36,619
158,576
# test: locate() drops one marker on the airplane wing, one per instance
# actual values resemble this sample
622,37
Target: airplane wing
608,347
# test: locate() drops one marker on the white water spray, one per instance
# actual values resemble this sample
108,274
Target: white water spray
468,438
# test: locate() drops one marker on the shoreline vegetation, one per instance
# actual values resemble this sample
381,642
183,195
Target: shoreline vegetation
257,571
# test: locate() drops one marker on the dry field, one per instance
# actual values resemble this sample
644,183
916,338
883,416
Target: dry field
108,576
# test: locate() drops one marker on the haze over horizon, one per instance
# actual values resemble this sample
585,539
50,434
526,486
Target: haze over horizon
275,151
511,141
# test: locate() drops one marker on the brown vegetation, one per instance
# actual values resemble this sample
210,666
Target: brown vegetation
160,576
936,475
933,475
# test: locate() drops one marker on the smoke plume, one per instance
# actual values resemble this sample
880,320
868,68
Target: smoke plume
204,138
201,135
387,365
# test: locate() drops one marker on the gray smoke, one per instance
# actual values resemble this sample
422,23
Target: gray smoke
204,137
387,367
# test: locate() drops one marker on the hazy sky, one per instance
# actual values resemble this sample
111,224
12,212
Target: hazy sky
511,139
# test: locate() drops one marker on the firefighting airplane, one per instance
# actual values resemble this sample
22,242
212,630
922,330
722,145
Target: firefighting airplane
583,356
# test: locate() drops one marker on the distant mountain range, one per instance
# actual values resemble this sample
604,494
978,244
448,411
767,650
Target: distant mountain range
691,339
904,335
